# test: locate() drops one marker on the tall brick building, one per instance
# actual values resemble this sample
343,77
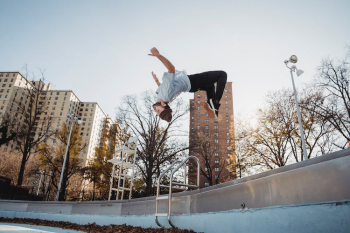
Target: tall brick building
211,139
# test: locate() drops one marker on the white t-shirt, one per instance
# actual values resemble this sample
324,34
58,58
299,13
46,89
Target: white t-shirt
172,85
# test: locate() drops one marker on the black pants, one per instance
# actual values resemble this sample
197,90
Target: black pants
205,82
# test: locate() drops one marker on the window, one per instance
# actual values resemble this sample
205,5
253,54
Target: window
206,184
216,134
66,93
198,120
227,134
216,140
216,148
216,169
216,127
216,154
216,120
226,102
225,96
5,79
3,85
53,108
199,96
206,127
57,93
206,121
216,176
225,90
226,114
198,101
216,161
228,141
206,114
226,121
198,114
54,103
229,162
198,108
56,98
206,169
198,127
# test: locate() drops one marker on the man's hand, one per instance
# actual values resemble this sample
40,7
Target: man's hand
155,78
166,62
154,52
162,102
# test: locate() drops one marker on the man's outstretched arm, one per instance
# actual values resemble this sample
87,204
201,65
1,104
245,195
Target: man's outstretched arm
166,62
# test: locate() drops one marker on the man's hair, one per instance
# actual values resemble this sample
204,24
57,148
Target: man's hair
166,114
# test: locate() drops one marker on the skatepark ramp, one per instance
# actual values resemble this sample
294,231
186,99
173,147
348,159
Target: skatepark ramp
309,196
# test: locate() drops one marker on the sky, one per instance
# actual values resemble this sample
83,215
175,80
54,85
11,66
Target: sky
99,49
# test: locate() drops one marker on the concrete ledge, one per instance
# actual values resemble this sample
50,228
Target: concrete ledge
305,218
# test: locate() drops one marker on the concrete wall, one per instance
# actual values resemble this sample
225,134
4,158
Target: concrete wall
308,218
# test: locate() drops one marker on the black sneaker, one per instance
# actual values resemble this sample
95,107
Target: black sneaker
214,107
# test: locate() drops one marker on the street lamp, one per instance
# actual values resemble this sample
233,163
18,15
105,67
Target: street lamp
74,119
293,68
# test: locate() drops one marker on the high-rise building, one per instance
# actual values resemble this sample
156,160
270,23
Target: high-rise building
58,104
211,139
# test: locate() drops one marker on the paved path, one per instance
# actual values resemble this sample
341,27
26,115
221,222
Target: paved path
21,228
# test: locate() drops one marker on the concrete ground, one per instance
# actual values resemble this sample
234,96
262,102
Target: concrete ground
21,228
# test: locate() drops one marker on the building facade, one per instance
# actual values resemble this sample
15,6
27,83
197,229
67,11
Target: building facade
58,104
210,139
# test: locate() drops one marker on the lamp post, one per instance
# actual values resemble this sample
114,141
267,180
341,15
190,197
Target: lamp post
294,59
74,119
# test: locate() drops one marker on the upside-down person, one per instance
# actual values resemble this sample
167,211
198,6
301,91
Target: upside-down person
174,82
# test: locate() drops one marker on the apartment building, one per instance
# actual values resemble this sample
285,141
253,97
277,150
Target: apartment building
218,132
58,104
93,122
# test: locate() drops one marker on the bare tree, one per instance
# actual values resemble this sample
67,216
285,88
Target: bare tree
27,121
159,142
334,80
276,141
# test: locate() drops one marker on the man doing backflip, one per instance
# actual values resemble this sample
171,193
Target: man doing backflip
174,82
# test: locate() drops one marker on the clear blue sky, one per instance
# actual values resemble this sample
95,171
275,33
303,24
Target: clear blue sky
102,46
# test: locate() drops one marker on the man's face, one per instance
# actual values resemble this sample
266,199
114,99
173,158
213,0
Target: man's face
158,109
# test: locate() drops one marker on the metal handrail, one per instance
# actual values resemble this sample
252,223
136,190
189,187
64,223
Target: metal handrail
171,185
